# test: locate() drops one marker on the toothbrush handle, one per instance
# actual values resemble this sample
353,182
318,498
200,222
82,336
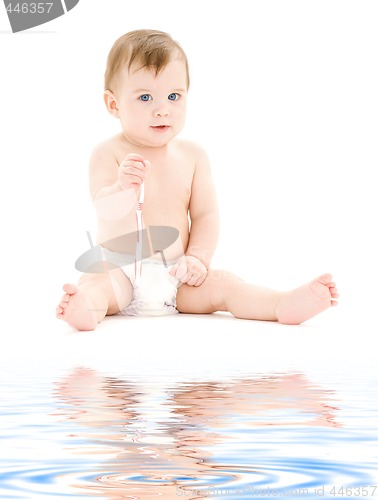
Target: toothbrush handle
139,245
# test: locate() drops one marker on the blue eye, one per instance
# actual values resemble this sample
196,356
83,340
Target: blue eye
173,97
145,97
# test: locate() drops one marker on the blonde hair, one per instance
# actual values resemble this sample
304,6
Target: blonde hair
148,49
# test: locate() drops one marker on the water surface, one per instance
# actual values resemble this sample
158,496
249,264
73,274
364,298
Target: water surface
85,433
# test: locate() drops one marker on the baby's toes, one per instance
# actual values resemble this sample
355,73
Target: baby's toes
64,301
334,295
70,289
59,312
326,279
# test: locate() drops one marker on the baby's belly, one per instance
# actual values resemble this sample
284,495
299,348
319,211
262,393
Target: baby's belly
170,234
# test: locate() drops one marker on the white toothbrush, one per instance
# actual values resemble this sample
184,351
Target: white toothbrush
139,244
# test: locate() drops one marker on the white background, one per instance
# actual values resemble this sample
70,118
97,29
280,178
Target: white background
283,97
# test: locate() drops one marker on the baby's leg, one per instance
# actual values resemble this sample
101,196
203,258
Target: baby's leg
96,296
222,291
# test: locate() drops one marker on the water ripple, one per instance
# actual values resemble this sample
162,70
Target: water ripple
98,436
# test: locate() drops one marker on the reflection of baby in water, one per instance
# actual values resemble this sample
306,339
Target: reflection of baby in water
263,400
162,434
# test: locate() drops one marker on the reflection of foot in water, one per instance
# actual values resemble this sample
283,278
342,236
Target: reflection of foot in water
97,401
257,400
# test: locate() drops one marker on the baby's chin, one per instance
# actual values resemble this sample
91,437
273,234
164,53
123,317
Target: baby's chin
153,139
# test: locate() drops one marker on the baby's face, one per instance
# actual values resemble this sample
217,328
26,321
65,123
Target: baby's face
152,107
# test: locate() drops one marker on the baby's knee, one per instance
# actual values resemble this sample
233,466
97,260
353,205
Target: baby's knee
221,284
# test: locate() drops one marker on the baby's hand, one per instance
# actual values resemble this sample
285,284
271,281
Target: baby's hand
132,171
189,270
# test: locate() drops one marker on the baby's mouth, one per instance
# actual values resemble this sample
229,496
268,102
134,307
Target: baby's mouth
160,128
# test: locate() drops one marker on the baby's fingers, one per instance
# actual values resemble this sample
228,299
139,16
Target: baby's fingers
134,167
179,270
200,280
192,278
134,156
131,173
196,278
173,270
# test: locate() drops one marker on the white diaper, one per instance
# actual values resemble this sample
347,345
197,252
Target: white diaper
155,294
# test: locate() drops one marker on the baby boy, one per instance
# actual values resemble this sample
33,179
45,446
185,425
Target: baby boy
147,168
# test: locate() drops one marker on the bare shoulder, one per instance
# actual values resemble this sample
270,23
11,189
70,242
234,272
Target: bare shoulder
190,147
195,153
106,149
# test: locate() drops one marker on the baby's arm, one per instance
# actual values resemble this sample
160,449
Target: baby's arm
203,210
204,229
115,188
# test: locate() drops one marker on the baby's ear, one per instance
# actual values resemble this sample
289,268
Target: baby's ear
111,103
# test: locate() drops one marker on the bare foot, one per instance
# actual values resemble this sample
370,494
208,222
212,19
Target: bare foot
307,301
76,309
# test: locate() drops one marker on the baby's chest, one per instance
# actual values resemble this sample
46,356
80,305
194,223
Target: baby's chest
169,186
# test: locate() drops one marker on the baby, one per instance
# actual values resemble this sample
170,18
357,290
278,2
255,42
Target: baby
147,169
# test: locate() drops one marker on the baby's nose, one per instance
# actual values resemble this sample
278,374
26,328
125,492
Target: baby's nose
161,111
